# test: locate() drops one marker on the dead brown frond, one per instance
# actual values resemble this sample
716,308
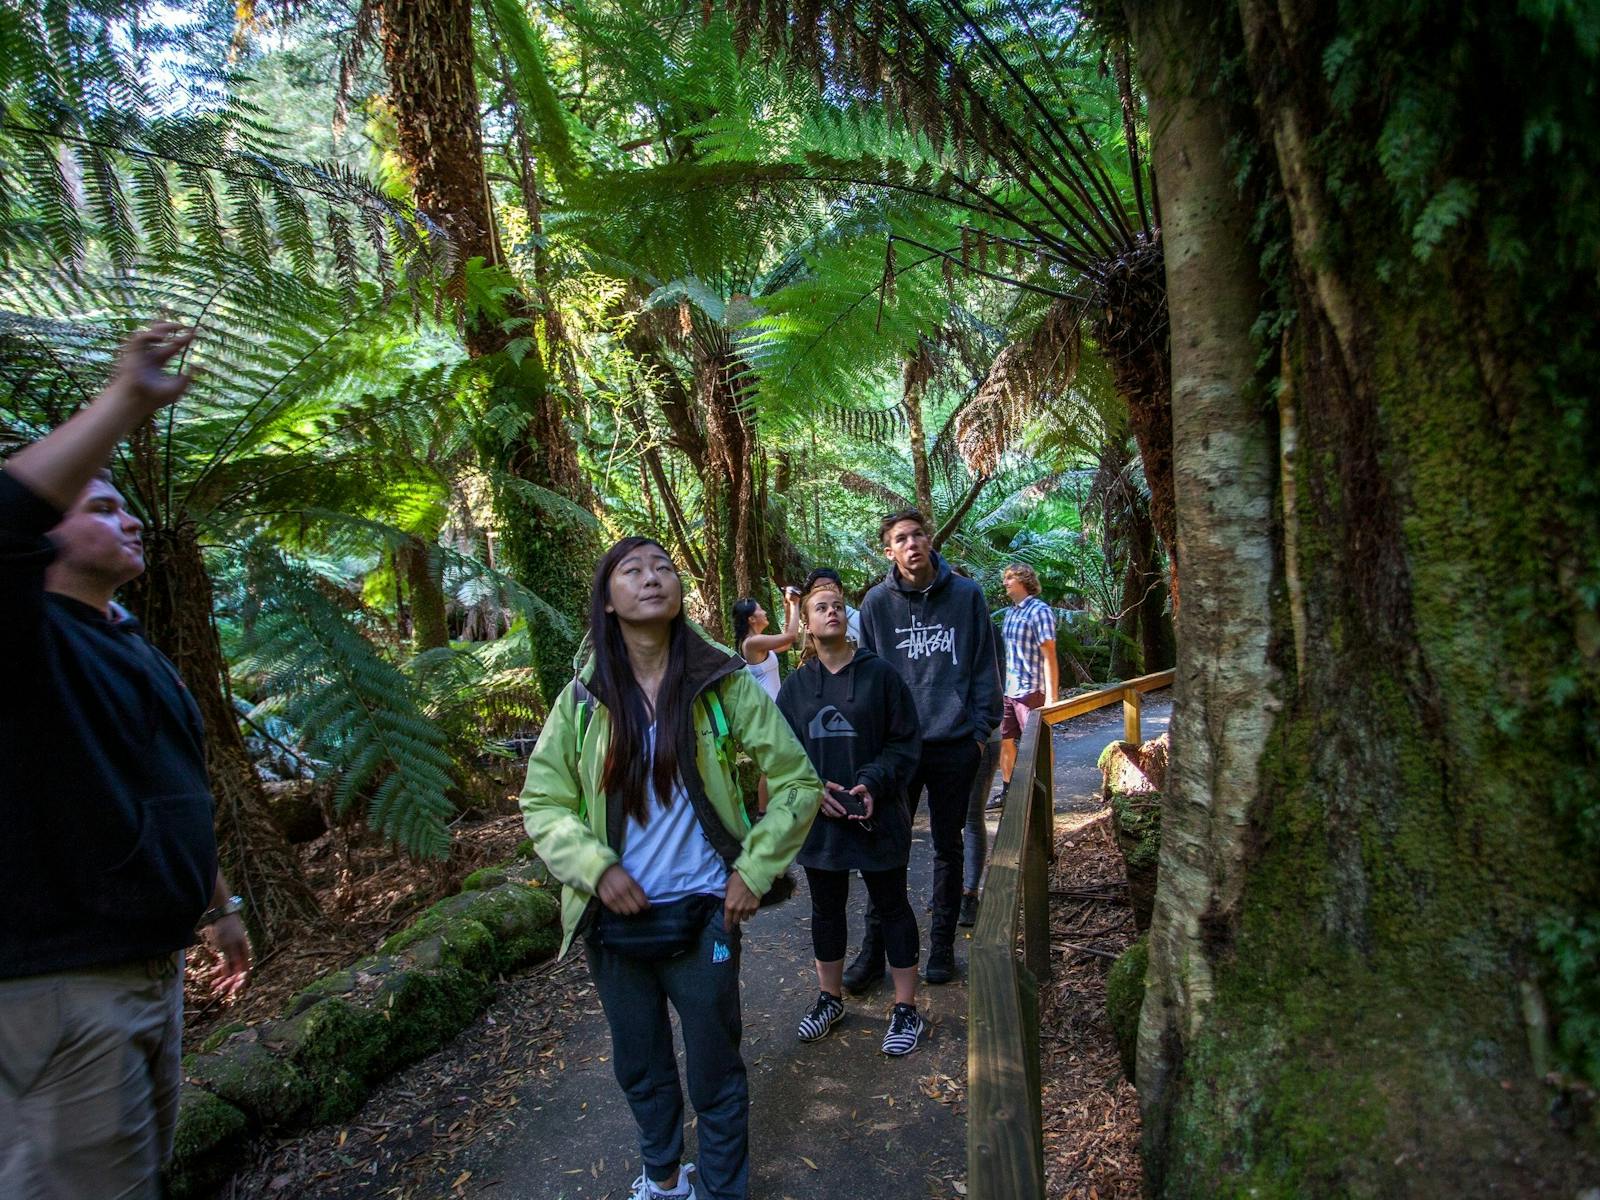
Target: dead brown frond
1024,376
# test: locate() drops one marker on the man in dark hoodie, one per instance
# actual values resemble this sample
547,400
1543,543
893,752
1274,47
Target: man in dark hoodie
933,627
109,859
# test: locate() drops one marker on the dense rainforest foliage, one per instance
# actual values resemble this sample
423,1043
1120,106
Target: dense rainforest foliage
1265,334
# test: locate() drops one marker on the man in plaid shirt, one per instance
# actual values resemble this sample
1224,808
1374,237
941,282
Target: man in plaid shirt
1032,674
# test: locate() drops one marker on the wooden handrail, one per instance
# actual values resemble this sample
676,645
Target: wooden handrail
1005,1127
1129,691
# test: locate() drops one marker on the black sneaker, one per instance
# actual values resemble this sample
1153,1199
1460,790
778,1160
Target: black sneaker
824,1015
969,910
998,800
941,966
905,1030
866,970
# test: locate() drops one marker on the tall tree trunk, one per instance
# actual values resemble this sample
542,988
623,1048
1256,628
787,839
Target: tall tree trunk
1375,801
429,628
1130,324
919,369
173,600
429,55
1223,460
734,525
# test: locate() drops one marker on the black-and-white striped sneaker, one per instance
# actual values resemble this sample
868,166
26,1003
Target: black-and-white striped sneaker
905,1030
824,1015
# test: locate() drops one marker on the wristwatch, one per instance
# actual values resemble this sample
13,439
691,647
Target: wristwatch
233,904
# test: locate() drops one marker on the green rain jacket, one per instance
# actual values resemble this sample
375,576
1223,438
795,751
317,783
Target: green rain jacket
564,807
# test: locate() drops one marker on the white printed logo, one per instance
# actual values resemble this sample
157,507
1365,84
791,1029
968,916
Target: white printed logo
829,722
924,640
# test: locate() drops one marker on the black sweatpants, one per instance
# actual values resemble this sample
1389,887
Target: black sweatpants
886,890
703,985
946,771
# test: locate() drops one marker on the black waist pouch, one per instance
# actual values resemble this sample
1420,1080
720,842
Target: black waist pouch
660,932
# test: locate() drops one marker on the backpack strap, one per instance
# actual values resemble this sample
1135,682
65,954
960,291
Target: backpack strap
586,703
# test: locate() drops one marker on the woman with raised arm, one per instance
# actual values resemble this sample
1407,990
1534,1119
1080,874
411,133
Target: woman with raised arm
760,651
858,722
759,648
632,803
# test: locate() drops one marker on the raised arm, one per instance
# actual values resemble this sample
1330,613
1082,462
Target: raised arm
760,643
59,466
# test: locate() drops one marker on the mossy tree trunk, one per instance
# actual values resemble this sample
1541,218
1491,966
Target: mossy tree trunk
429,55
429,628
173,600
1384,744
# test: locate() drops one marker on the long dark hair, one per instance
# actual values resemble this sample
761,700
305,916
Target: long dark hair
743,610
613,683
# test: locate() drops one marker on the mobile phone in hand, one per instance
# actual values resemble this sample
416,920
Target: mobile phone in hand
853,805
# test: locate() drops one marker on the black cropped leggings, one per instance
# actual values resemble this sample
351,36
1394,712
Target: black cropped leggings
830,930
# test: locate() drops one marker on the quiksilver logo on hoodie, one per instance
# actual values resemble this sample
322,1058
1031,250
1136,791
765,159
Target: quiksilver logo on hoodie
830,722
921,640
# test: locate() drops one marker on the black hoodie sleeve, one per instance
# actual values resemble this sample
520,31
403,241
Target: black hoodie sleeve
25,552
984,692
890,772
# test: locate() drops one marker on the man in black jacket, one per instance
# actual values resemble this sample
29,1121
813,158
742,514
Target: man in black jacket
933,627
109,859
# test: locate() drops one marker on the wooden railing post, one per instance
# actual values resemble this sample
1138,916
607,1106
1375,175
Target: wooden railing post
1132,702
1005,1128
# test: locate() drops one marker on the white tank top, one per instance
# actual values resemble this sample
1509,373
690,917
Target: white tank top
766,673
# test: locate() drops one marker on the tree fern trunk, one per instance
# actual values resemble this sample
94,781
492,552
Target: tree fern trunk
429,54
1366,825
429,628
173,600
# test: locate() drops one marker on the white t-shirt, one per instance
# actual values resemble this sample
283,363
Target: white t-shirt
670,857
766,672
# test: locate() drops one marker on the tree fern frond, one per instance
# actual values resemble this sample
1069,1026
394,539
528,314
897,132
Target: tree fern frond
354,708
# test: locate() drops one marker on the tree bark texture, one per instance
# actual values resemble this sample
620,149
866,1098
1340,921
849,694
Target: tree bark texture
429,56
429,628
173,600
1383,750
733,524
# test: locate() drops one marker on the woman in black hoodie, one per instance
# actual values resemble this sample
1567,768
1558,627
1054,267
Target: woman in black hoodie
857,720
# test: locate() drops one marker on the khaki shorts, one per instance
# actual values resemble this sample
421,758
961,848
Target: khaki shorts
89,1078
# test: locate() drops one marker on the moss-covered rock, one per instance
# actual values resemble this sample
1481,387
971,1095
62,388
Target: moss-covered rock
263,1085
518,919
484,877
525,849
1124,998
218,1036
340,1046
425,1009
209,1142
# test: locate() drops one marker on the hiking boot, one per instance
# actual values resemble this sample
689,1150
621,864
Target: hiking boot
643,1189
999,798
867,968
824,1015
969,910
941,966
906,1027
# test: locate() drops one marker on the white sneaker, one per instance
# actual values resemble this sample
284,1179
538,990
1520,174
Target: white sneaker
643,1189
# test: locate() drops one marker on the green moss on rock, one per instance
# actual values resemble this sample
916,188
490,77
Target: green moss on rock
263,1085
209,1141
525,848
516,917
1124,999
341,1047
217,1037
484,877
425,1009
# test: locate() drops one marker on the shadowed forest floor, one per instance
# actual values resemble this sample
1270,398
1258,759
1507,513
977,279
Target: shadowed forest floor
523,1103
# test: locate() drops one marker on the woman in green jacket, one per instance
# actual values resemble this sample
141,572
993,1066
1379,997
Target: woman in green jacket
632,803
